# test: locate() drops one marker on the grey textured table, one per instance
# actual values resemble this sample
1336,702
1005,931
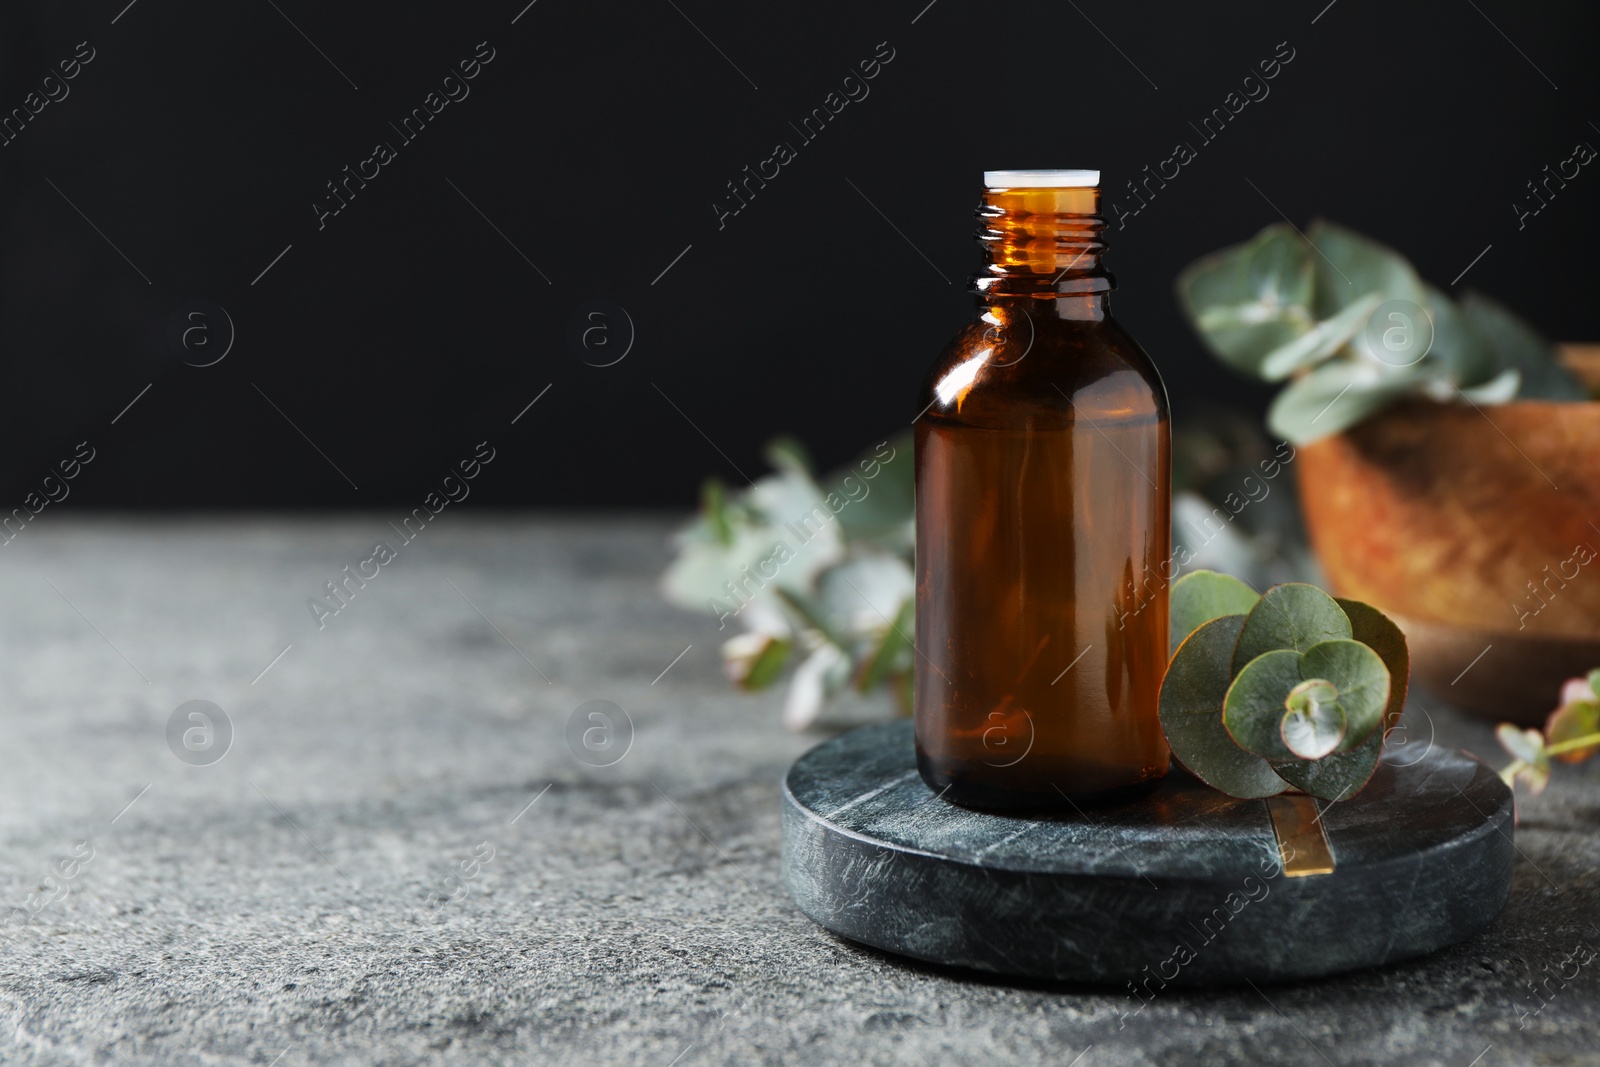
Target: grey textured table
275,907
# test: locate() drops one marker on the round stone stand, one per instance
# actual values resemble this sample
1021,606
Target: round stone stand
1186,886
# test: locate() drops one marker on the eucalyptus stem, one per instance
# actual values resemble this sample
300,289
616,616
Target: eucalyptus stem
1572,744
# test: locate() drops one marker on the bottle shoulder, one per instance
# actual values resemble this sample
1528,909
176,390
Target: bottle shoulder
1027,369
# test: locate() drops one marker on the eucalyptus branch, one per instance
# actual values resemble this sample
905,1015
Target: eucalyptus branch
1572,745
1572,734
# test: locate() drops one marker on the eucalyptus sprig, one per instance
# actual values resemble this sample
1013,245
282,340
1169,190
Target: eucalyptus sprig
1352,328
808,577
1290,689
1572,735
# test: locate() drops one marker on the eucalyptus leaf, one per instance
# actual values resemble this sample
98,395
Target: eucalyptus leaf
1334,397
768,664
1191,701
789,493
1578,716
714,502
1574,719
1378,632
710,573
879,486
1518,345
1201,596
1460,350
1253,708
1351,266
811,616
819,677
1497,390
1339,776
861,596
788,456
1525,745
1361,680
740,550
1576,689
1314,723
1321,341
1532,766
1293,616
1250,299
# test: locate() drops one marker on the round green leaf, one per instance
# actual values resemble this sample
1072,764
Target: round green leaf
1525,745
1293,616
1250,299
1528,747
1253,708
1339,776
1336,395
1375,630
1320,342
1200,596
1314,723
1191,714
883,514
1578,718
1497,390
1517,345
1362,681
1463,355
1350,265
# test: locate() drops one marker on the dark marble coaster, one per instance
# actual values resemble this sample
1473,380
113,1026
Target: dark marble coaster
1183,887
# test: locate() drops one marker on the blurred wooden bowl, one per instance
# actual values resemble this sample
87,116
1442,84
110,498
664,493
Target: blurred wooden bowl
1478,530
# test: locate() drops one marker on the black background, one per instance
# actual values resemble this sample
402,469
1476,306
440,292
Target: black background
408,329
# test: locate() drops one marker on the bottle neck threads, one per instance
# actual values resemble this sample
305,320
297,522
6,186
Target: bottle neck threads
1041,245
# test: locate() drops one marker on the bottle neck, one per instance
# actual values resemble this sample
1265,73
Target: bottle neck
1042,250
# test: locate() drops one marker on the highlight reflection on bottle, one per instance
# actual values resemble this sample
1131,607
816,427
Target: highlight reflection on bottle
1043,523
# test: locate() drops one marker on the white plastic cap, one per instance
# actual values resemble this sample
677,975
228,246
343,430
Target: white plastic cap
1041,179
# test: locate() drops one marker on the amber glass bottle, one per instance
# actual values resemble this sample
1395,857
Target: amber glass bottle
1043,522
